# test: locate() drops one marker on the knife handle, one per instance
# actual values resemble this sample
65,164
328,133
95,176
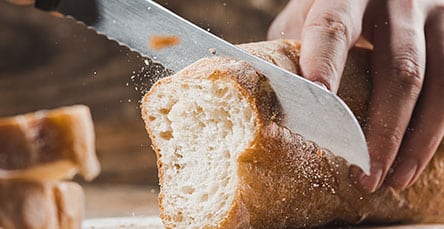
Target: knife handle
46,5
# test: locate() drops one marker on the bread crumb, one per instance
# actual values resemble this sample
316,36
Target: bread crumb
319,153
159,42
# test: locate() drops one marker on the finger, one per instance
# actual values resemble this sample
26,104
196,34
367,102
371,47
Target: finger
427,128
288,24
330,29
372,13
398,60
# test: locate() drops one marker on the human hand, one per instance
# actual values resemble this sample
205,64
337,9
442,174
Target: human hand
406,111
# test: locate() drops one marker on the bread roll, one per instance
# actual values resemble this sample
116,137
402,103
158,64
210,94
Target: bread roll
32,204
48,145
224,161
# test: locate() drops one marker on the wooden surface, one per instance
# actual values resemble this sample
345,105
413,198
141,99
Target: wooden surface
124,222
121,206
105,201
46,62
155,223
135,206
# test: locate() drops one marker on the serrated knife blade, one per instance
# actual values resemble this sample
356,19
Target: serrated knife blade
311,111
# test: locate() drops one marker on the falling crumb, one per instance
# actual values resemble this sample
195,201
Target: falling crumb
160,42
212,51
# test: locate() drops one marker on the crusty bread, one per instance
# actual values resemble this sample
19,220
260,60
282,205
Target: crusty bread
48,145
37,151
224,160
32,204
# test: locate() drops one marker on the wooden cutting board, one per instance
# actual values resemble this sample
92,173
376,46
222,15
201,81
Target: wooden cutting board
154,222
135,207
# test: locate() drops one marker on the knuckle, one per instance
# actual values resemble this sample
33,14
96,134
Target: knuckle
334,25
408,73
393,134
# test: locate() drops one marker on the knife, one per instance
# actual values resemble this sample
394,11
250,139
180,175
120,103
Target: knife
311,111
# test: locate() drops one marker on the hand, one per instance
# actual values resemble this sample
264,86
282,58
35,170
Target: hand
406,111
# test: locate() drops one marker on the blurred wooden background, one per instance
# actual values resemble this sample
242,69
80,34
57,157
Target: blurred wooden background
47,62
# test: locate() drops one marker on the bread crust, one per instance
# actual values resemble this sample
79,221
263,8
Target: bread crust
46,137
37,151
285,180
32,204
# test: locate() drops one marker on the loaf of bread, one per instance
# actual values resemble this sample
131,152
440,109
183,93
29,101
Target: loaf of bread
49,205
37,152
49,144
225,161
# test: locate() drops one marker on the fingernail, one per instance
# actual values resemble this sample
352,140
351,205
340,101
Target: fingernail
321,84
403,174
371,183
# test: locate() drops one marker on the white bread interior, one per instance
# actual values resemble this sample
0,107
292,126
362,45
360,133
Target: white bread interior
201,124
215,175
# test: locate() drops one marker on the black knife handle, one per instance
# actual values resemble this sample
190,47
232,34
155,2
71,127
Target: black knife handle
47,5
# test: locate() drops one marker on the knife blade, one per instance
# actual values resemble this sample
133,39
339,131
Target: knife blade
311,111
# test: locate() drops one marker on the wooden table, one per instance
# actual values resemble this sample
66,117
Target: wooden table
120,200
121,206
135,206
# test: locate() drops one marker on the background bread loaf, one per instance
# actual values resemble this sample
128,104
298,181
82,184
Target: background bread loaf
59,140
224,160
38,151
49,205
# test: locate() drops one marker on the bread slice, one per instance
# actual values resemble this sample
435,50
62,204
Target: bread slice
32,204
48,145
225,162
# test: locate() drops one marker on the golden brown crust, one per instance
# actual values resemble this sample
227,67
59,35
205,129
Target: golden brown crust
306,190
70,201
288,181
45,137
49,205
